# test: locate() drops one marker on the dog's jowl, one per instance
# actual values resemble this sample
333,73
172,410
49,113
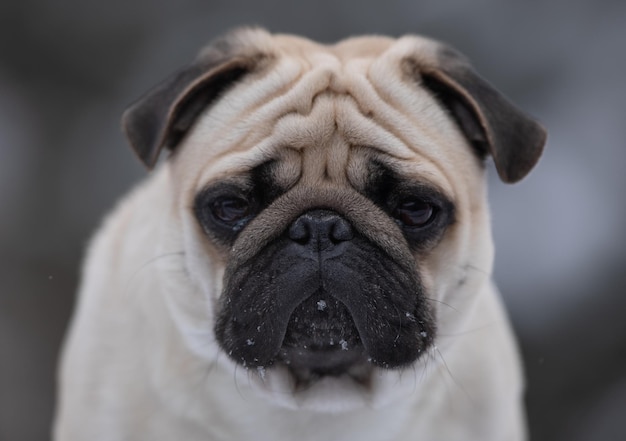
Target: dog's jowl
312,261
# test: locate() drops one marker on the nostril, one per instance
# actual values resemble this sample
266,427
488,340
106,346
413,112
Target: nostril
320,229
299,231
341,231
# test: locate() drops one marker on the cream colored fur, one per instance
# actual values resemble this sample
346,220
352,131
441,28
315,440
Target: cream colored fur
141,362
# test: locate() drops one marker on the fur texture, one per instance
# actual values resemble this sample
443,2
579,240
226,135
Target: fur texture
146,356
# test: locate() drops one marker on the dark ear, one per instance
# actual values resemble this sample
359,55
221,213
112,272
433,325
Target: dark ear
490,122
165,114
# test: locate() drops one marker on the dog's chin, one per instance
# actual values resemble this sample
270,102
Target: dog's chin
323,365
362,385
305,378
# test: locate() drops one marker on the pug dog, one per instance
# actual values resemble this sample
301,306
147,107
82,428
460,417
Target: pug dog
312,261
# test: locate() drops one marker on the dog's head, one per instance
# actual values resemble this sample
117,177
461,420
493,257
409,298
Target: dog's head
331,199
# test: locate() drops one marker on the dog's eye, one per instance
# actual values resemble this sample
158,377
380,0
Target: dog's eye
230,210
414,213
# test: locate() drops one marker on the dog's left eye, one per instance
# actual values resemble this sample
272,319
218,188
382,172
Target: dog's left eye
414,213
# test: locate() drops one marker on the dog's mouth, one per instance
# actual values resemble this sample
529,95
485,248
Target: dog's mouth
324,316
322,340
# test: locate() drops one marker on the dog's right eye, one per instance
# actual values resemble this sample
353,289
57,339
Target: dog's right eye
230,210
223,211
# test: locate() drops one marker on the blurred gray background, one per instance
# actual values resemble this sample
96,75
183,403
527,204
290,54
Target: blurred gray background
68,68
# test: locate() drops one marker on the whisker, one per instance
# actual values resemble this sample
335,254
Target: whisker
236,383
149,262
400,324
442,303
469,331
456,383
477,269
414,369
427,361
155,258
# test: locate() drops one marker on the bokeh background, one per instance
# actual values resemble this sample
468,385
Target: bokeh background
69,67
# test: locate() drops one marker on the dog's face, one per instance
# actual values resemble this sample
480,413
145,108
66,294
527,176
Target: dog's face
330,200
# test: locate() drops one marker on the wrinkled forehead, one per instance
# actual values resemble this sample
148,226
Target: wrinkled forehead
327,106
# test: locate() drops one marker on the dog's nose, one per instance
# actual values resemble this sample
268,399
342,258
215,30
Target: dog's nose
320,229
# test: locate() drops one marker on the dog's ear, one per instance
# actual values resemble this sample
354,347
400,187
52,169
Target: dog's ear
490,122
165,114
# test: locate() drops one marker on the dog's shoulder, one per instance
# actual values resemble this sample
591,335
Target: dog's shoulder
105,318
